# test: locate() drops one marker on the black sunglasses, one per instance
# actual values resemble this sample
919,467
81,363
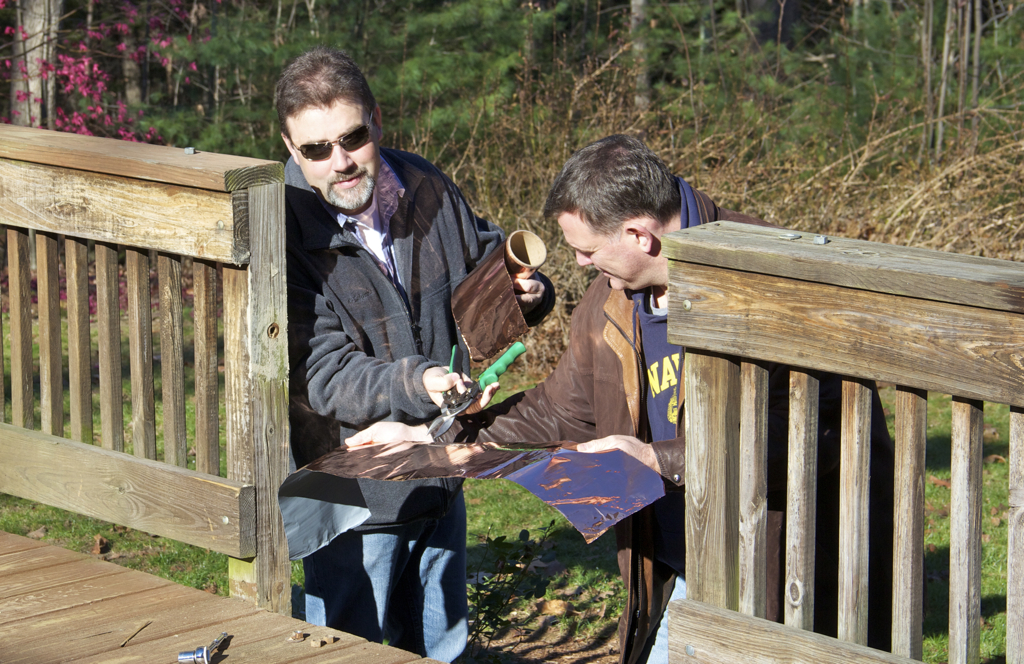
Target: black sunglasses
351,141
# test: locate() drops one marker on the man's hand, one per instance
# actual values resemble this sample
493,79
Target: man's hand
389,432
529,293
631,446
437,381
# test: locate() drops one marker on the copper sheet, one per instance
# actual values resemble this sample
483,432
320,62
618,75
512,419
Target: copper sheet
592,491
485,308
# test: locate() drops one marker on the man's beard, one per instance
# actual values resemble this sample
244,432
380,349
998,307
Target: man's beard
351,199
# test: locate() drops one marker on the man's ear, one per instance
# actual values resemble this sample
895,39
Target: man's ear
376,124
291,148
644,238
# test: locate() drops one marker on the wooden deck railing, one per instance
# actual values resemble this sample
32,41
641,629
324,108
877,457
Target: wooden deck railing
923,320
213,220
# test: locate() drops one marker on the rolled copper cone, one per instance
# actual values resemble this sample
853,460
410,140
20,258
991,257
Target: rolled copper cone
524,254
484,304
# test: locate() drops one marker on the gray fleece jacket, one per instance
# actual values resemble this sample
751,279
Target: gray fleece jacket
357,349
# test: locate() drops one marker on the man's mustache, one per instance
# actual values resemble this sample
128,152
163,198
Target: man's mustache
355,171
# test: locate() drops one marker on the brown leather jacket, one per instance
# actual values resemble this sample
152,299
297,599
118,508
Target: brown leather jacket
598,389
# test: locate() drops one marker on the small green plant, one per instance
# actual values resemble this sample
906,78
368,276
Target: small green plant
505,575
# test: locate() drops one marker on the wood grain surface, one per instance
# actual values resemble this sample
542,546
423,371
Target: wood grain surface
1015,543
170,218
267,339
801,500
154,163
76,261
139,493
970,352
204,311
753,488
965,532
172,360
854,511
705,634
51,355
908,512
871,266
712,478
140,352
20,300
108,332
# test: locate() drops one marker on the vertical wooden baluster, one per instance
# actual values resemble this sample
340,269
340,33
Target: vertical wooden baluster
712,479
204,288
753,488
965,533
908,535
19,283
3,372
242,574
51,356
172,360
854,512
140,351
801,498
76,262
108,324
1015,543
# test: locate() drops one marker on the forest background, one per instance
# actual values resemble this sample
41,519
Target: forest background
894,120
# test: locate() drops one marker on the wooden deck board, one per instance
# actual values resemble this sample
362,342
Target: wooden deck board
58,606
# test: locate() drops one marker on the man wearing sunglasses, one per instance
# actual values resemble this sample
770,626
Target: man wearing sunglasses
377,241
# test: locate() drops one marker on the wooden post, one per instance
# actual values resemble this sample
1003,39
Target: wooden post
854,510
76,260
140,352
18,278
1015,543
207,439
108,331
265,344
712,479
965,533
172,361
51,359
753,489
908,535
801,499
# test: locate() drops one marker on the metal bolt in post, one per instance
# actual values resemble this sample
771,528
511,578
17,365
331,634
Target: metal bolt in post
201,655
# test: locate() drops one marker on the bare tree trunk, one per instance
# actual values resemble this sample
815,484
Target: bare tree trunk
29,51
54,10
944,78
976,77
637,21
927,23
130,71
965,32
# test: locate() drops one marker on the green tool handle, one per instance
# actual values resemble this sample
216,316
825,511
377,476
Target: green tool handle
490,375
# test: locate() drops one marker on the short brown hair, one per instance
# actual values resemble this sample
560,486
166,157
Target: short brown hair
319,78
612,180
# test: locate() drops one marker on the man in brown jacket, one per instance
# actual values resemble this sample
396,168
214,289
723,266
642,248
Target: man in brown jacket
618,385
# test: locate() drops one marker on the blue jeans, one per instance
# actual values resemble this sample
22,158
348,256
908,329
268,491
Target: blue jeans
658,647
406,584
